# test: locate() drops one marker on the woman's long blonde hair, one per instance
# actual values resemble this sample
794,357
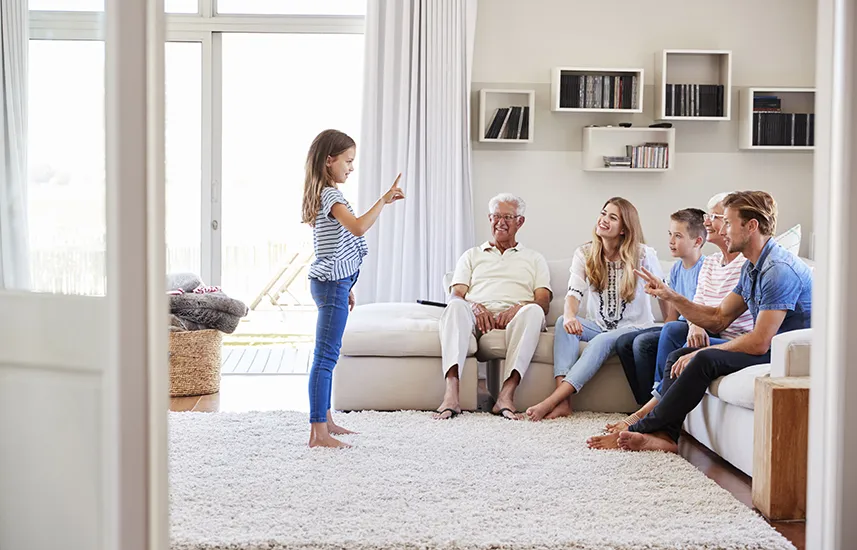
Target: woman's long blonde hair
629,251
329,143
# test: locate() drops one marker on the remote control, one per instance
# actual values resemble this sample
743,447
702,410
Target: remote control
430,303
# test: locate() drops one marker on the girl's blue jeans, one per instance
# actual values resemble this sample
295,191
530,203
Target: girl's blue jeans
331,297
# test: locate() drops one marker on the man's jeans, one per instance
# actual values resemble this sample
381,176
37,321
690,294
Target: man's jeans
684,393
331,297
579,368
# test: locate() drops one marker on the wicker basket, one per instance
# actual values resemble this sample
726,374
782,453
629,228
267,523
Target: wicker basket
195,362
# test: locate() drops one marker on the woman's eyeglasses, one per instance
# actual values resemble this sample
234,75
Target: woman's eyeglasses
710,217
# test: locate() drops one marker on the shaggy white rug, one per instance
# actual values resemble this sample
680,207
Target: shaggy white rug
248,481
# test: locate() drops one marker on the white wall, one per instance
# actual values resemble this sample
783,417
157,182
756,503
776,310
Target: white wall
517,44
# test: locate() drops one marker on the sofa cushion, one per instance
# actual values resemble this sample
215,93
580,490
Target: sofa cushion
739,387
790,239
395,330
493,346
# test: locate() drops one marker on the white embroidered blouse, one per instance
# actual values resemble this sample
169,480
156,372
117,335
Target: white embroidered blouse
606,307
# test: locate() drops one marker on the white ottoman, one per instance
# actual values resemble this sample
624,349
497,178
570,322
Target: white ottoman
390,360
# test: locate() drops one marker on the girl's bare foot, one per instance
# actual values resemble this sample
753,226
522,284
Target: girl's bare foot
539,411
319,436
561,410
633,441
328,441
335,429
606,441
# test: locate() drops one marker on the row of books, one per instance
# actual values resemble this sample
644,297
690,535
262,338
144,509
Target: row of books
783,129
608,91
694,100
510,123
648,155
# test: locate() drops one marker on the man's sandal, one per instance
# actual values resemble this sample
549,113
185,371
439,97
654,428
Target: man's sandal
453,414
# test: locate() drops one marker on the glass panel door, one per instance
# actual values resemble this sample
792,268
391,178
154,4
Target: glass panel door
279,92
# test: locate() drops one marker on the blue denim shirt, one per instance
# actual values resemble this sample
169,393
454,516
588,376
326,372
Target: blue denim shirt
779,281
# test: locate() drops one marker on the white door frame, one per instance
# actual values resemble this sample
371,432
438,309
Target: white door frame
136,395
832,476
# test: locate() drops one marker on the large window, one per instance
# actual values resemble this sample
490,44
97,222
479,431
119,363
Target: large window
67,172
296,86
183,150
66,166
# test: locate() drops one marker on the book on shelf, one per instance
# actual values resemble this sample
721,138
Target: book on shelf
771,128
510,123
691,100
598,91
650,155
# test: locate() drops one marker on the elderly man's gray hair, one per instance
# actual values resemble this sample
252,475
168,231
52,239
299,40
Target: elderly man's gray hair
519,203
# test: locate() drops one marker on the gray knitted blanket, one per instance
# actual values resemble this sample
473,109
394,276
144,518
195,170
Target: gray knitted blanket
211,310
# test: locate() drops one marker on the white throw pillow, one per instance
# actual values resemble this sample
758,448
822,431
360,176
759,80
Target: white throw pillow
790,240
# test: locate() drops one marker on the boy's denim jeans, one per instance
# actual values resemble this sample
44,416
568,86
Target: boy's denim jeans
331,297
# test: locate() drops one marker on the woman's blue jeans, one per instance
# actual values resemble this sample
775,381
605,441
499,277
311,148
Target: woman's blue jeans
331,297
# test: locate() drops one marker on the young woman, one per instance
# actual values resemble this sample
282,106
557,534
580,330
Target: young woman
603,278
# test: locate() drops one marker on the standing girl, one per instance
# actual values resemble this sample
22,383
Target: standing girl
339,251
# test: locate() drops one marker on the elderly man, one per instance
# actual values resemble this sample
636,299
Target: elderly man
497,285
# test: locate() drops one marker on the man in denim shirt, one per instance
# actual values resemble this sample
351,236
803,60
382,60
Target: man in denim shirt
775,285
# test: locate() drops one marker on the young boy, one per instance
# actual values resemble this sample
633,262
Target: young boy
638,350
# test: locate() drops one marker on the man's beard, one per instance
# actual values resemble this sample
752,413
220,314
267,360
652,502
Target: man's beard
734,246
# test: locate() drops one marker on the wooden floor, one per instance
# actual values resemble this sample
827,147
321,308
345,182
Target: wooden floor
245,393
295,359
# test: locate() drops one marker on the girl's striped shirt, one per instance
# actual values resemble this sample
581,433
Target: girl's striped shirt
338,252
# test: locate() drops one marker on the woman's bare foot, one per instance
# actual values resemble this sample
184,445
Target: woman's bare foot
633,441
561,410
539,411
334,428
606,441
328,441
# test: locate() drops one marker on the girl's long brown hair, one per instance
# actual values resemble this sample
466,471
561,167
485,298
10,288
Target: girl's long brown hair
329,143
629,251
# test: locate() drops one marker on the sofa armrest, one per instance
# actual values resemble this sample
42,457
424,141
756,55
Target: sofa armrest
790,353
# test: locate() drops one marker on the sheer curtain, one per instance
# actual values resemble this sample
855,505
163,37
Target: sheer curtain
14,42
416,120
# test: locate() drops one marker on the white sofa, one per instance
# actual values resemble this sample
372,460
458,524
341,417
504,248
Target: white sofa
390,360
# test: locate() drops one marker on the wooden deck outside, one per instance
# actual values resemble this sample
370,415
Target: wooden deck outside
267,359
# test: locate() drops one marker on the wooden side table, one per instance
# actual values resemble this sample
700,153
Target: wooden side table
780,440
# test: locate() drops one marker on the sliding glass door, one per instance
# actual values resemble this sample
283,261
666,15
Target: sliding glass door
296,86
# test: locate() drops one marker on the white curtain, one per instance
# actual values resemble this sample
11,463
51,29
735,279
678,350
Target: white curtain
416,120
14,42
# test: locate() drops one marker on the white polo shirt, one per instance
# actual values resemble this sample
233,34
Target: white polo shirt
500,280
